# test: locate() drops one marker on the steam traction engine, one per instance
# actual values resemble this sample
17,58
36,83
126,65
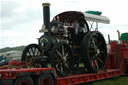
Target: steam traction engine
67,41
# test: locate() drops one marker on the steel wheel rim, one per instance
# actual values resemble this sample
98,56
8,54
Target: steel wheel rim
63,60
31,55
96,51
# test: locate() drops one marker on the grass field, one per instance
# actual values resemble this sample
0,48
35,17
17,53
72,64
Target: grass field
112,81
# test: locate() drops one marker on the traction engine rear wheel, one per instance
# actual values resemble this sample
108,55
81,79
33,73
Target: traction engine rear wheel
94,51
62,58
31,55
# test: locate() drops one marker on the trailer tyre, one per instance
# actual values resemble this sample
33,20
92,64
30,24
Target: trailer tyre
46,80
24,81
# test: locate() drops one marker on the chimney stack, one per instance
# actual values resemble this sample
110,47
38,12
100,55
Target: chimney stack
46,15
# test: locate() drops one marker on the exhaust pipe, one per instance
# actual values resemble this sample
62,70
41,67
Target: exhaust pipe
119,41
118,34
109,41
46,15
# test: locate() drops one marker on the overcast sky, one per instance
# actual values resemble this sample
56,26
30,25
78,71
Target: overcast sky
21,19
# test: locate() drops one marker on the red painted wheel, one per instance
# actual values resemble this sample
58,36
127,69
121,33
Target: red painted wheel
45,80
24,81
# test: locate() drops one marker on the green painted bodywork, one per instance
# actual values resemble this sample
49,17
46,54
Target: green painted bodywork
124,36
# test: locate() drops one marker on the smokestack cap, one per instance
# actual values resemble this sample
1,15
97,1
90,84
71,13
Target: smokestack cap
46,4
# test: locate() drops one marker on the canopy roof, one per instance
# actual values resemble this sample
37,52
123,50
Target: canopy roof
124,36
70,16
96,18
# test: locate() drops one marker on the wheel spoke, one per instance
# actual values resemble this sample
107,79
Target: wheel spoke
28,57
32,51
65,57
94,44
57,67
99,59
59,53
63,50
38,52
29,53
96,64
66,65
61,67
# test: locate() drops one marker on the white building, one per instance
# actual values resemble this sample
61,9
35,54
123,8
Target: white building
13,55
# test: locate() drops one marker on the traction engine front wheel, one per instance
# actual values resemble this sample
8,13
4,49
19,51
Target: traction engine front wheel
31,55
62,58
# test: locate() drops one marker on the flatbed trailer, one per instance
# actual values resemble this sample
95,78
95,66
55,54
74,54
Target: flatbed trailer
117,65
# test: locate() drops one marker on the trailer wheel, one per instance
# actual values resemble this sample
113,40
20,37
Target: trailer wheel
31,54
46,80
62,58
94,51
24,81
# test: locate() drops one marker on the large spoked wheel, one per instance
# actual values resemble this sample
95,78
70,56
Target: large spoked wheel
94,51
31,55
62,58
